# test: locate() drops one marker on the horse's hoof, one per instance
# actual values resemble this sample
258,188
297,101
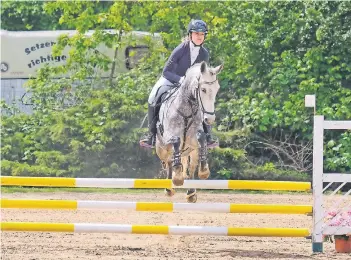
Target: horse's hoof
178,181
203,175
192,198
191,195
212,146
177,175
169,192
145,145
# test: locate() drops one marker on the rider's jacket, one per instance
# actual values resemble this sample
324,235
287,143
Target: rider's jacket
180,61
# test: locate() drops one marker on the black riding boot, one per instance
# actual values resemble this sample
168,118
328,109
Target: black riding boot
209,139
152,120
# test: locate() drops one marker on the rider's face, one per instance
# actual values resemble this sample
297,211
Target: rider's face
198,37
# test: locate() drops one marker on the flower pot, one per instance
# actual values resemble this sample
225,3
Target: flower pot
342,245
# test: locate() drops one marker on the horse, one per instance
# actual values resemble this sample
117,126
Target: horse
180,136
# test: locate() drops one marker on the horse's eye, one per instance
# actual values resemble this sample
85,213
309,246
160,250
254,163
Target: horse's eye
203,90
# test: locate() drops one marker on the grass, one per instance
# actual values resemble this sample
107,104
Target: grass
9,189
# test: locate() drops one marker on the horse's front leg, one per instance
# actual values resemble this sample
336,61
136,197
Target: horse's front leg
169,192
185,163
193,160
177,174
204,171
164,154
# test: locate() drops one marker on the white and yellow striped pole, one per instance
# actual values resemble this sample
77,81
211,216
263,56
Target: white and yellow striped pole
153,183
153,229
157,206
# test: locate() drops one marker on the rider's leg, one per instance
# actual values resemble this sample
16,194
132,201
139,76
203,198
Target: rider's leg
150,139
152,120
207,130
161,86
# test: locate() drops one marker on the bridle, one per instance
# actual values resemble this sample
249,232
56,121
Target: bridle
198,96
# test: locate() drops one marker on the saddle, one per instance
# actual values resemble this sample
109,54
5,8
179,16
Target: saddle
162,95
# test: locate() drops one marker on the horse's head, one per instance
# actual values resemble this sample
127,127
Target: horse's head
207,89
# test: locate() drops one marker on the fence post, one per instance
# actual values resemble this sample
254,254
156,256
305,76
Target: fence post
317,182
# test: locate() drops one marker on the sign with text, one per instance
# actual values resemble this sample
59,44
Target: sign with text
22,53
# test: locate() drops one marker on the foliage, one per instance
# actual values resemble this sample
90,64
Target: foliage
339,153
28,15
283,51
82,127
83,140
274,54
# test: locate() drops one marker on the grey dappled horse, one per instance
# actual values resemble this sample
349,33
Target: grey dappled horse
180,135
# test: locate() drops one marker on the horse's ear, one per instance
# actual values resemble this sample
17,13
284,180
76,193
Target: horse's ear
203,66
218,69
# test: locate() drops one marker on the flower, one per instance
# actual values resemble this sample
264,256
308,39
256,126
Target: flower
340,219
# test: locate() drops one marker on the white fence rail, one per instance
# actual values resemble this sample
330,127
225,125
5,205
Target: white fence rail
320,213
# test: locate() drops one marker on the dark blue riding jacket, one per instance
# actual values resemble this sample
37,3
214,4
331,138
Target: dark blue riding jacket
179,61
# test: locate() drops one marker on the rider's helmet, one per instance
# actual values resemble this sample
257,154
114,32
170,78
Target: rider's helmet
197,26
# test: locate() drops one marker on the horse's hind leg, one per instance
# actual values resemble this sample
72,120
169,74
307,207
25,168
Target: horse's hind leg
177,175
169,192
185,163
204,171
192,165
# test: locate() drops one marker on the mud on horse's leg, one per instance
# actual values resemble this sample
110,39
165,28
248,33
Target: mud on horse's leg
192,165
185,163
204,171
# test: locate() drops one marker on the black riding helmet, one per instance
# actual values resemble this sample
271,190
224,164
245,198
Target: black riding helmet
197,26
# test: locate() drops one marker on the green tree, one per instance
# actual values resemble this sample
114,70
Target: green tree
274,54
28,15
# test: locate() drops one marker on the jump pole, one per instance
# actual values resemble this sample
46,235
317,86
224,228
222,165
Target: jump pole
153,229
156,206
153,183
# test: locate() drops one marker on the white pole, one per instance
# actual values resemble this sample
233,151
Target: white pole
318,211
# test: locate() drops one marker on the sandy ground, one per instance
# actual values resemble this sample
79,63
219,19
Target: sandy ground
41,246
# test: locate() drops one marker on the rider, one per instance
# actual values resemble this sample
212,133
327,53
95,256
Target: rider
186,54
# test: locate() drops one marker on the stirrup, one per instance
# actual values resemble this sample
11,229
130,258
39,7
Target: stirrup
145,142
213,145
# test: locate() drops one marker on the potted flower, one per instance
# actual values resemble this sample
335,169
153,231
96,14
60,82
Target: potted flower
341,219
343,243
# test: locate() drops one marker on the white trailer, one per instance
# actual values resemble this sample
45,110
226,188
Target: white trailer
24,52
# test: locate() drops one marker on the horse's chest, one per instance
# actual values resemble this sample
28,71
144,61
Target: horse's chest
189,122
